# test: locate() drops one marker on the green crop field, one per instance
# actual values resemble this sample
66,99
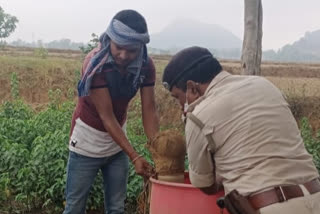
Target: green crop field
38,95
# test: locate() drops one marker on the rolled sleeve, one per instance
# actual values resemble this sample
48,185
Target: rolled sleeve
201,166
150,74
201,180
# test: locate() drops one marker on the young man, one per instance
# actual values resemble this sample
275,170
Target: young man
241,134
111,76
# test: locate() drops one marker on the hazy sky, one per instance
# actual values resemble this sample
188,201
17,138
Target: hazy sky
285,21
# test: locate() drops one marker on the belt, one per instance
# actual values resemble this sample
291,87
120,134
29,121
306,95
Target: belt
282,193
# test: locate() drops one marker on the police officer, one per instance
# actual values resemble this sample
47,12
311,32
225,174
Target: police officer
241,134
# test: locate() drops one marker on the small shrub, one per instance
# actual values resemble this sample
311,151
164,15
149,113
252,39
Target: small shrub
14,86
93,43
312,143
41,52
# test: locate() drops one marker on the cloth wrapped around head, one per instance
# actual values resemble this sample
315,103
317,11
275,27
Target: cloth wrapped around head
127,28
193,63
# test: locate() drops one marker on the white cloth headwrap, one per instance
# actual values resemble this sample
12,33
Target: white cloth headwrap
122,35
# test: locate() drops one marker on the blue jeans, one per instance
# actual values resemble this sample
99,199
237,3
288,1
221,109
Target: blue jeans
81,172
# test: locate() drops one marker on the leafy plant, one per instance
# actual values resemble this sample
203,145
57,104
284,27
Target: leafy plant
93,43
312,143
14,86
8,24
41,52
34,153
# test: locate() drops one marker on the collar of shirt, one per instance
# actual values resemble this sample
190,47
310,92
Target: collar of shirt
221,76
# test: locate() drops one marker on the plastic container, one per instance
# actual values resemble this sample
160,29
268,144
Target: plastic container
179,198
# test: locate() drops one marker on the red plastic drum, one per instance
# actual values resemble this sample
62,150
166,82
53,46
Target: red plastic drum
179,198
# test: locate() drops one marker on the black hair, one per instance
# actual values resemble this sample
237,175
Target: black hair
195,63
132,19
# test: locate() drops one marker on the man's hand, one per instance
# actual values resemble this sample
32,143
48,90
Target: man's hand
143,168
213,189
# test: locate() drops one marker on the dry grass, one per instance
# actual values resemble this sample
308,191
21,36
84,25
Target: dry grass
25,51
36,76
303,93
300,87
299,82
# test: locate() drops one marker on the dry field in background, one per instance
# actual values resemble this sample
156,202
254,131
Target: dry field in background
299,82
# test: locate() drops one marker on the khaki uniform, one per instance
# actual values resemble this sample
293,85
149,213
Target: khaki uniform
248,137
309,204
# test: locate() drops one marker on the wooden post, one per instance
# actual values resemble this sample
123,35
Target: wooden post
252,41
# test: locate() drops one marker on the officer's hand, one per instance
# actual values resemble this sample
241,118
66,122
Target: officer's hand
143,168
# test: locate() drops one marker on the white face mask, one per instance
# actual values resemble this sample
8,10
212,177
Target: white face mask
183,118
186,104
185,108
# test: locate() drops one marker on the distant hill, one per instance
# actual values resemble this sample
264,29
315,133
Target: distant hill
185,33
306,49
224,44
